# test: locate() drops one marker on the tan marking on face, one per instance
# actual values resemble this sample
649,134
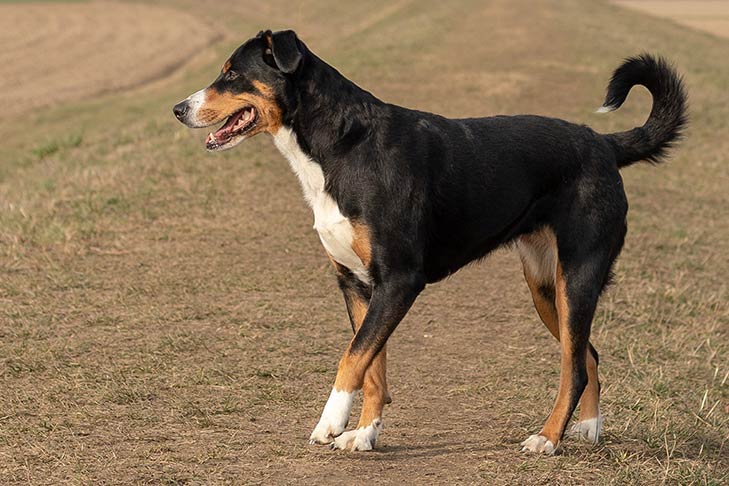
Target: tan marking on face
219,106
226,66
269,107
361,243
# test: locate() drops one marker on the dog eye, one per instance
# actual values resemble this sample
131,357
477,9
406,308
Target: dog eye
231,75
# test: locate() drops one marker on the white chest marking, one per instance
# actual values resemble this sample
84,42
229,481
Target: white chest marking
335,231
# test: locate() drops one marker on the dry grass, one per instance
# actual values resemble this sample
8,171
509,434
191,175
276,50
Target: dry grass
168,316
708,15
62,52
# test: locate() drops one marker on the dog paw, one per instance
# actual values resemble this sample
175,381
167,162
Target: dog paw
538,443
361,439
334,418
325,432
588,430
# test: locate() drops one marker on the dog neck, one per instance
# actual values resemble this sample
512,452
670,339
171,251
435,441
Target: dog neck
332,113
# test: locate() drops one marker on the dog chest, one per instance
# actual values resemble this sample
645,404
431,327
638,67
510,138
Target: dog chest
335,231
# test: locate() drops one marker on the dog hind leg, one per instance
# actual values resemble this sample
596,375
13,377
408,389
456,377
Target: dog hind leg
539,257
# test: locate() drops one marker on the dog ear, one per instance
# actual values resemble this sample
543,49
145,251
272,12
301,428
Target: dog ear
285,49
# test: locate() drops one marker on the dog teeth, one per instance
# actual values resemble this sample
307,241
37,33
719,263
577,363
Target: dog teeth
243,120
211,138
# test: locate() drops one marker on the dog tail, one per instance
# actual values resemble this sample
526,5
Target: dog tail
668,117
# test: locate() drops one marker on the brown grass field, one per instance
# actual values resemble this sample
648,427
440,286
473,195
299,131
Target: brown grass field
62,52
708,15
168,316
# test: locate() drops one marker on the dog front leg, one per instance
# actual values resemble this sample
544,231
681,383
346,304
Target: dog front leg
390,302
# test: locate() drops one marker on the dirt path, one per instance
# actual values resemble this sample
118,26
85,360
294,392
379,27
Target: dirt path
54,52
168,316
708,15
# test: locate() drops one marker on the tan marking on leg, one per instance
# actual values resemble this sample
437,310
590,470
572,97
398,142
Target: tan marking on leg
545,308
358,309
557,420
374,388
351,370
538,252
361,243
590,400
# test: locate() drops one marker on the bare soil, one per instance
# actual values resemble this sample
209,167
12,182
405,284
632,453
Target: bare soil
168,316
57,52
711,16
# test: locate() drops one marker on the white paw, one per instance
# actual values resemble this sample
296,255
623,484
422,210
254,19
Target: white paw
325,432
334,418
538,443
588,430
361,439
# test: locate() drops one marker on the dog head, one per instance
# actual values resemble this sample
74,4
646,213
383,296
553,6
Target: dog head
252,93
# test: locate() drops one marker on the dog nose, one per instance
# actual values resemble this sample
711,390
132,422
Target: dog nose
180,110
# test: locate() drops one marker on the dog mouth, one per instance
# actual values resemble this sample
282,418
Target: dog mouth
237,124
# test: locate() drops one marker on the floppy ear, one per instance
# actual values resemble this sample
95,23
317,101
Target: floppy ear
285,49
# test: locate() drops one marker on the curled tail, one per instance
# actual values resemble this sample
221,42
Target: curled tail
668,117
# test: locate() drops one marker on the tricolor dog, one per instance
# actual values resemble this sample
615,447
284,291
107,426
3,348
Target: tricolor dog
403,198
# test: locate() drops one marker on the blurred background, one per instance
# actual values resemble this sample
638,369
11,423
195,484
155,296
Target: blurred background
168,315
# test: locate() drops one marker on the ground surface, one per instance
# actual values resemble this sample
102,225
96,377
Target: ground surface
708,15
71,51
169,316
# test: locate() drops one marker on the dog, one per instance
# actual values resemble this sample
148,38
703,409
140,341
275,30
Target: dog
404,198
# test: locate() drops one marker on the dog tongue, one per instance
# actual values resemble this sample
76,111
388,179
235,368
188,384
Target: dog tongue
224,132
236,121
